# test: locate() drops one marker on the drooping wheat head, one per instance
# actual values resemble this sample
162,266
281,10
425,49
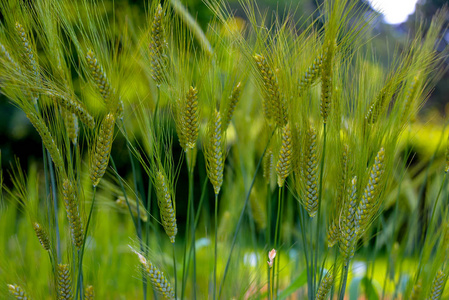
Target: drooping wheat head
369,202
47,140
17,292
311,173
347,230
231,104
214,152
100,158
326,79
158,47
89,293
311,75
284,164
42,236
157,279
64,281
121,202
325,286
274,104
438,283
166,205
71,204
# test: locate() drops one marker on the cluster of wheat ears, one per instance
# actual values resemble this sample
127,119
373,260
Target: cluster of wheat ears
294,124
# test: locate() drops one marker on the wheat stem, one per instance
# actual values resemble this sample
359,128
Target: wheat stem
215,246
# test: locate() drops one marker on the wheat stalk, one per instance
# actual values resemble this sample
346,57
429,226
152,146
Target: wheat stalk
333,233
164,197
73,213
284,164
17,292
42,236
100,158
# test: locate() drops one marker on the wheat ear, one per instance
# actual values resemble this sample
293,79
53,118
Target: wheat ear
157,47
73,213
437,286
8,56
368,204
157,279
77,108
42,236
333,233
416,290
377,107
47,140
347,232
71,124
326,79
100,159
274,105
164,200
310,173
268,165
232,103
89,293
29,54
17,292
325,286
214,153
121,202
190,119
64,281
284,164
99,76
312,74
